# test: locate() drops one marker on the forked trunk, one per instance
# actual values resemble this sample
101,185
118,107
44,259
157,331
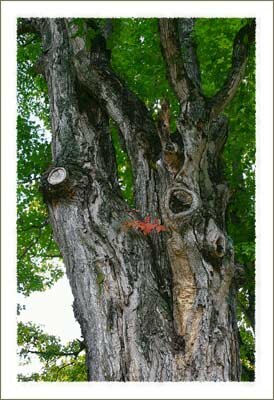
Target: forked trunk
159,307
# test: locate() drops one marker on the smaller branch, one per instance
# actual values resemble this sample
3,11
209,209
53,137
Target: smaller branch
242,43
62,367
32,40
61,354
51,256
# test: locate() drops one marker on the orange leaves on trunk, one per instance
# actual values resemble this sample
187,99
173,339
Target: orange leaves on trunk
146,226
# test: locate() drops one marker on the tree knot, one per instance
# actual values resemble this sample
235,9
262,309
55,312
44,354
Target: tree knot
180,202
56,185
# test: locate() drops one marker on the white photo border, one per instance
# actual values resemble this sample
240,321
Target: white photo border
263,386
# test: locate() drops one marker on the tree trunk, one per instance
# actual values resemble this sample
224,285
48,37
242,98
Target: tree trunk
159,307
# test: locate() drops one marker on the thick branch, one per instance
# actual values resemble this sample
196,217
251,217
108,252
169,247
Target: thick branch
171,52
129,112
180,55
242,43
79,125
188,50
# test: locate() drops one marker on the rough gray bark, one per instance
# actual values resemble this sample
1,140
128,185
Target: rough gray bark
158,307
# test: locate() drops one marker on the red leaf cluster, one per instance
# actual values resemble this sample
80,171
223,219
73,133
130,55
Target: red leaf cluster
146,226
